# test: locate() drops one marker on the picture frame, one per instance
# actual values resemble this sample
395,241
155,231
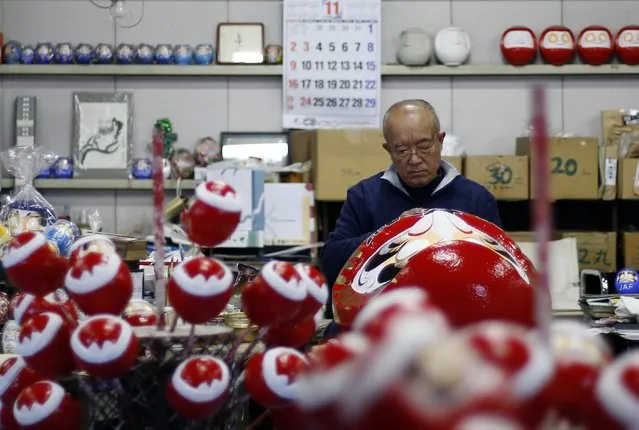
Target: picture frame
240,43
272,147
103,127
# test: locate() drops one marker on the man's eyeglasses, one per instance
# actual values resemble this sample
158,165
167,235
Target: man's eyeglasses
423,149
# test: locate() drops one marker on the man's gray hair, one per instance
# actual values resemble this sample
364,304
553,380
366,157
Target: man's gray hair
409,102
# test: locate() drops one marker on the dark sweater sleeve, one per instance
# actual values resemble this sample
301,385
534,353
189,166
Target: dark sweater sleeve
351,229
487,208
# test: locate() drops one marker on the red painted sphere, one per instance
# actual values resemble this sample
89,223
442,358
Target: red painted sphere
199,387
105,346
595,45
100,283
200,289
46,406
275,296
557,45
270,376
468,267
627,45
617,394
213,214
44,344
519,45
33,265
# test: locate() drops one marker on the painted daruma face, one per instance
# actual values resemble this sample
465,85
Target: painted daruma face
595,45
627,42
467,266
557,45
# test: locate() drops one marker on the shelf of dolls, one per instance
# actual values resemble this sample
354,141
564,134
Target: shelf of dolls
141,70
276,70
102,184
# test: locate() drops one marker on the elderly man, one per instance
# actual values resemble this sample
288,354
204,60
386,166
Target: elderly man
417,178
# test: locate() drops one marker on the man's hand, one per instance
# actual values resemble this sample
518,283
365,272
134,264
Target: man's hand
414,211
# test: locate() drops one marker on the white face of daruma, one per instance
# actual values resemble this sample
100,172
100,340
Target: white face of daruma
519,39
595,39
557,39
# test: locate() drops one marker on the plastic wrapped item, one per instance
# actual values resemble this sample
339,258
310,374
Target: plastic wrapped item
452,147
527,131
95,221
63,234
629,143
28,209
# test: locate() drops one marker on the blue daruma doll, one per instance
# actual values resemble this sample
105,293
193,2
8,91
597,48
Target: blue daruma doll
627,282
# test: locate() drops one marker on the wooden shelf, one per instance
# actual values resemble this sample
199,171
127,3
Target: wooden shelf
101,184
506,70
388,70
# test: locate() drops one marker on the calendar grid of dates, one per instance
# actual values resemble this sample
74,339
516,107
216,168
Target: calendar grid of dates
331,66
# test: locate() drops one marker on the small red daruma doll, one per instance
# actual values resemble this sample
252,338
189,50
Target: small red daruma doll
595,45
105,346
33,265
557,45
198,387
275,296
199,289
519,45
213,214
46,406
270,376
100,283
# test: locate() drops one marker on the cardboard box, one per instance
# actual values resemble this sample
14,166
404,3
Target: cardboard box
616,123
457,161
610,121
289,218
596,250
340,158
574,166
529,236
506,176
628,181
630,246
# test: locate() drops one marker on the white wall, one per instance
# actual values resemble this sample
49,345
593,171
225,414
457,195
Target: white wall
487,113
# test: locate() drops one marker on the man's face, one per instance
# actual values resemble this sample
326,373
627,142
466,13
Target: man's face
415,147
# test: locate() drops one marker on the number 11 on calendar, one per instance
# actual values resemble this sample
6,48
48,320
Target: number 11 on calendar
332,8
331,76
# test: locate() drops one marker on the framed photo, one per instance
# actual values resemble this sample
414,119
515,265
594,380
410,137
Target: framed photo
272,148
240,43
103,144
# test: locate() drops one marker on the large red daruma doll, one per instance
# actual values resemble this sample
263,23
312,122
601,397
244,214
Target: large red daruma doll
468,266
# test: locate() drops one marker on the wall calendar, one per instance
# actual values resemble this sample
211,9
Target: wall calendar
332,63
